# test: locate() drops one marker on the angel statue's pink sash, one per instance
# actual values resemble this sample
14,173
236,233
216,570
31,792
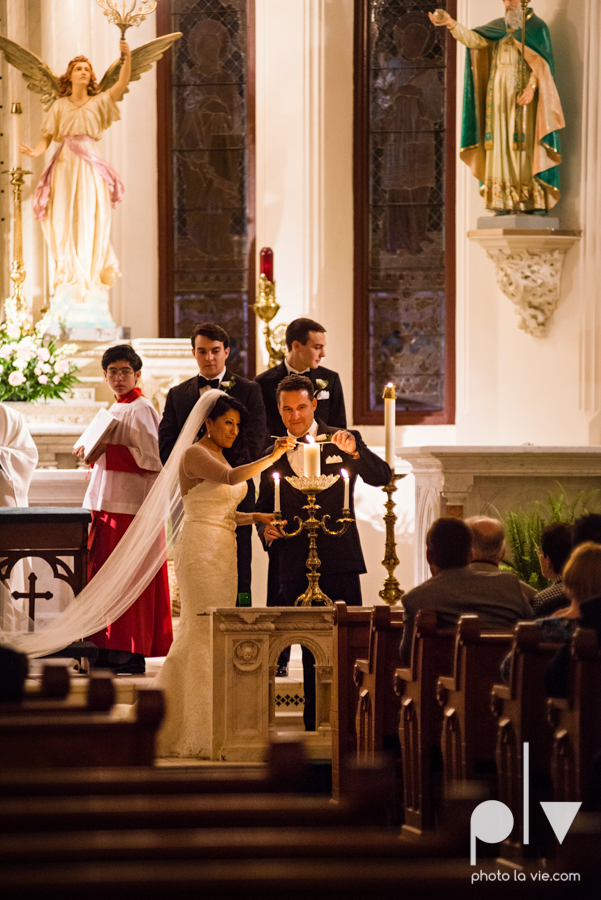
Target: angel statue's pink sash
42,192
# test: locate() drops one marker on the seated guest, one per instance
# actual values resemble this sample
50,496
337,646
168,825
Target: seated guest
582,585
211,349
306,343
488,549
586,528
455,589
555,549
581,581
125,468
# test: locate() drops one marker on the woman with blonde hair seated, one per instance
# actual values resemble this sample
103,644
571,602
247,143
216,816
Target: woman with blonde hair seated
581,582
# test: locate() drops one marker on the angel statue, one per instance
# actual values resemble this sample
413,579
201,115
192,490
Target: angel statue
78,187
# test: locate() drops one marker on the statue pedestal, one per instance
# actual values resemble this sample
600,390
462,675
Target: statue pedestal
485,223
69,311
528,266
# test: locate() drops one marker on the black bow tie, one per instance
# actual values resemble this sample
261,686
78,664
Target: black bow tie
204,382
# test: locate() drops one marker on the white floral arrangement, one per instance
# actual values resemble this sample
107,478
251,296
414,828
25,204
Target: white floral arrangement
29,368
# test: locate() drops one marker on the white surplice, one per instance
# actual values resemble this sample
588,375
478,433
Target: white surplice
18,458
138,430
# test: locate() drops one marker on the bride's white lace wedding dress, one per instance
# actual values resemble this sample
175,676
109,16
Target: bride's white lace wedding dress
206,570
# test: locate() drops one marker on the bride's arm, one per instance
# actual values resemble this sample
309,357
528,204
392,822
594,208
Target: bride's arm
200,463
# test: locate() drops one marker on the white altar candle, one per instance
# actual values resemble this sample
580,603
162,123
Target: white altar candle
276,485
312,458
15,135
346,504
390,422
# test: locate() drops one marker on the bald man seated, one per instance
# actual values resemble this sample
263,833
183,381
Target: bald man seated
456,589
488,549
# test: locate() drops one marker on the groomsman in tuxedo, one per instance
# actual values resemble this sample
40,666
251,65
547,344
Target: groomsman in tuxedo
211,348
341,557
306,343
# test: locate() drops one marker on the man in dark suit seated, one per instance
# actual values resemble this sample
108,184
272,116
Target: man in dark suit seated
306,343
341,557
455,589
211,348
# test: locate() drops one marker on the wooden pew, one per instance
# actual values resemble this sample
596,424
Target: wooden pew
469,729
421,721
350,641
70,739
576,723
520,708
53,696
377,716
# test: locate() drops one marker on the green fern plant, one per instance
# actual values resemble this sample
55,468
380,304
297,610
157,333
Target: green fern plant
524,528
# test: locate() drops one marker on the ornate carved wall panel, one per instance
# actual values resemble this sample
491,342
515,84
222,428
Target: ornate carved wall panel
404,211
206,136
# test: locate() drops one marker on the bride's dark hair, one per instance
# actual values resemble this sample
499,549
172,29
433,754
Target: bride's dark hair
239,451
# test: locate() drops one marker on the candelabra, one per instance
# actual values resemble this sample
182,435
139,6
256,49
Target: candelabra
124,20
17,268
311,486
266,308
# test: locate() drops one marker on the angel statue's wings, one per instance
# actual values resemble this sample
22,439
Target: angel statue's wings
39,77
142,60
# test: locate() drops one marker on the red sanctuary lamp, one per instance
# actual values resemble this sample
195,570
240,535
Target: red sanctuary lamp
266,263
266,306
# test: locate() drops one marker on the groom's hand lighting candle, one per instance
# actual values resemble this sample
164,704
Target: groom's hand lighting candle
276,486
312,458
345,475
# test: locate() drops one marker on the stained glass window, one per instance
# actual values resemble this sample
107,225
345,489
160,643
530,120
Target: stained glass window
209,174
402,192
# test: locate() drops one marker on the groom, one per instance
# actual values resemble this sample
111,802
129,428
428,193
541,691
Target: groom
341,557
211,348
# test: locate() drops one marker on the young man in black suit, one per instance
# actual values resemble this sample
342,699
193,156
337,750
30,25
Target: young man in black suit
211,348
341,557
306,343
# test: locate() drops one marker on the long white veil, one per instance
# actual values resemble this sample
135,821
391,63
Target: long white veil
134,562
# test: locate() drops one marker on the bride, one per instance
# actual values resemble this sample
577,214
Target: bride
205,565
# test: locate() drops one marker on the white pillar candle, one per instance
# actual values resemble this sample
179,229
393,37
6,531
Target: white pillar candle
15,135
346,504
390,423
312,459
276,485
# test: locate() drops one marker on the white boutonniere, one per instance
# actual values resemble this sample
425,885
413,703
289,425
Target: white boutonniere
227,385
321,385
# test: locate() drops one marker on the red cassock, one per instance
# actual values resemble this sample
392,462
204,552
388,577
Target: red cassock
146,626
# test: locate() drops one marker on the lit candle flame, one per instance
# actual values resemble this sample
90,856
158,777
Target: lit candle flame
310,440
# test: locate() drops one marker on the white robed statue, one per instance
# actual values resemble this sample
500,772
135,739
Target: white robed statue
78,188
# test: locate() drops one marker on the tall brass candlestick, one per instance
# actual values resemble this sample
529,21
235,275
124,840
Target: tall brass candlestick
392,592
17,268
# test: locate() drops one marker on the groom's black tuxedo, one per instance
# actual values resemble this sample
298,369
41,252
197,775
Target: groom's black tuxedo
329,408
339,555
178,406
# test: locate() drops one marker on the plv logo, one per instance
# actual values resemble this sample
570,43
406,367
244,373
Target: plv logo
492,821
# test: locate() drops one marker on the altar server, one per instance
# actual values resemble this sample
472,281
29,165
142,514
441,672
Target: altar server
125,468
